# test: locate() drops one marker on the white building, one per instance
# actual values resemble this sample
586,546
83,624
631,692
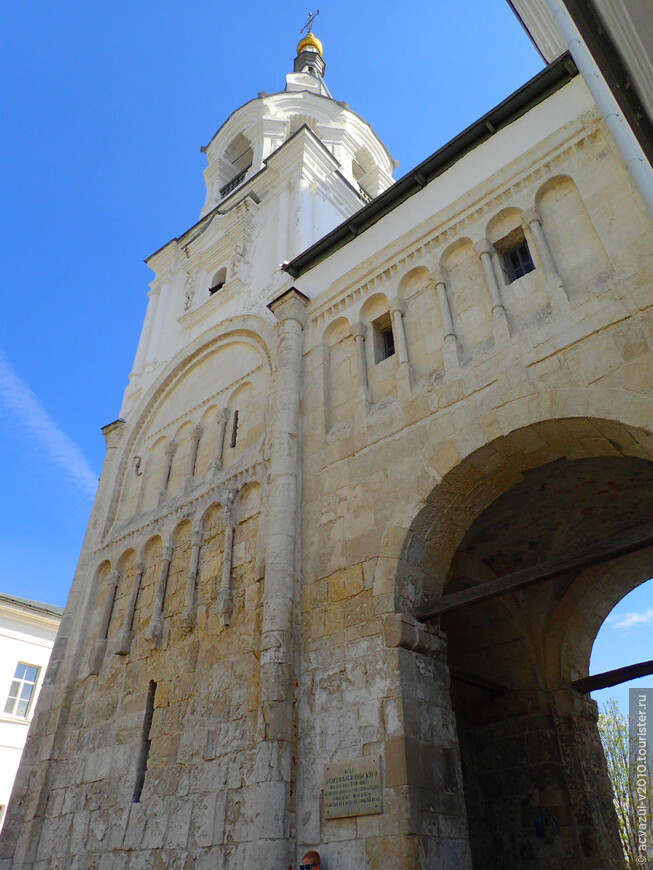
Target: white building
27,633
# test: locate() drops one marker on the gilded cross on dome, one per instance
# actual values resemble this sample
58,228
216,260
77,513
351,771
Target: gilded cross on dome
309,24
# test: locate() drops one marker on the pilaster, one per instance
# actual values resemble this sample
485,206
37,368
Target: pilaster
275,726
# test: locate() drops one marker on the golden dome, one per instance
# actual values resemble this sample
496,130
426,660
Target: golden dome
310,42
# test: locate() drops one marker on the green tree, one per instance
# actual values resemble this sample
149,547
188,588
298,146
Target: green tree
613,729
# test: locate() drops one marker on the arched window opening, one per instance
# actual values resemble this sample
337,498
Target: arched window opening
505,231
218,281
239,156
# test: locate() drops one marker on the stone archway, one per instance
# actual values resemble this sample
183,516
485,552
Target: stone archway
536,792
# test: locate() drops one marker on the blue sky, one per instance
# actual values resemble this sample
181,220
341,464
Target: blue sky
625,638
105,106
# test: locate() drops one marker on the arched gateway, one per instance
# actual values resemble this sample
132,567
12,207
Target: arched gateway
519,554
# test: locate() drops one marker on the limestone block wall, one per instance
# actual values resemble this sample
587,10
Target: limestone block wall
476,356
203,730
166,651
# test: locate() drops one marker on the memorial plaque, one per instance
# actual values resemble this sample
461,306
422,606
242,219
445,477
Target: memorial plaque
353,787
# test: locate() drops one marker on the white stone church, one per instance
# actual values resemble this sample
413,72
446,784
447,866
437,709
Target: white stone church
383,466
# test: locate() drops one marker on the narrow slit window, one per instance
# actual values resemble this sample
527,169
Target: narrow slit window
234,430
144,751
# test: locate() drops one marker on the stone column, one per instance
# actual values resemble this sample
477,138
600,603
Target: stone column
224,603
125,639
451,349
358,330
555,288
168,453
404,374
216,465
499,316
190,610
100,645
275,725
155,628
195,435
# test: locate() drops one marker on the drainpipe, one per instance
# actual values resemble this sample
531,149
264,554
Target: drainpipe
627,145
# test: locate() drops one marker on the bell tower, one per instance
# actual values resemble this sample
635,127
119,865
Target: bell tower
282,171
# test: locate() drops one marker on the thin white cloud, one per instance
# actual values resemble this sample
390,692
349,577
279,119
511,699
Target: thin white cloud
18,400
630,619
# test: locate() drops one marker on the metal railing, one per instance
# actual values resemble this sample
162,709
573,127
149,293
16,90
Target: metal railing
233,184
366,196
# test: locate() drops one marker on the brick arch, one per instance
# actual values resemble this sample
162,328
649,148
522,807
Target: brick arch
501,223
126,558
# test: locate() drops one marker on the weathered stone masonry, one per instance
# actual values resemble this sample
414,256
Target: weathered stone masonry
306,457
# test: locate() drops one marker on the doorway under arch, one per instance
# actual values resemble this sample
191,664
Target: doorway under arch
536,789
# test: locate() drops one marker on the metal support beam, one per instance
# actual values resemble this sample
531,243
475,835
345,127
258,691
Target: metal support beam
594,554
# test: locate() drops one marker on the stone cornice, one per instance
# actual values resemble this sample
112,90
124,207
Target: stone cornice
187,507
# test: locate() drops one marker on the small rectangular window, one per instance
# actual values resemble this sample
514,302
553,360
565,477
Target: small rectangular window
384,341
22,690
517,262
514,255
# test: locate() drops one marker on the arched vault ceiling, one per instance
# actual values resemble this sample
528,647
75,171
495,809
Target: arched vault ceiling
560,507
